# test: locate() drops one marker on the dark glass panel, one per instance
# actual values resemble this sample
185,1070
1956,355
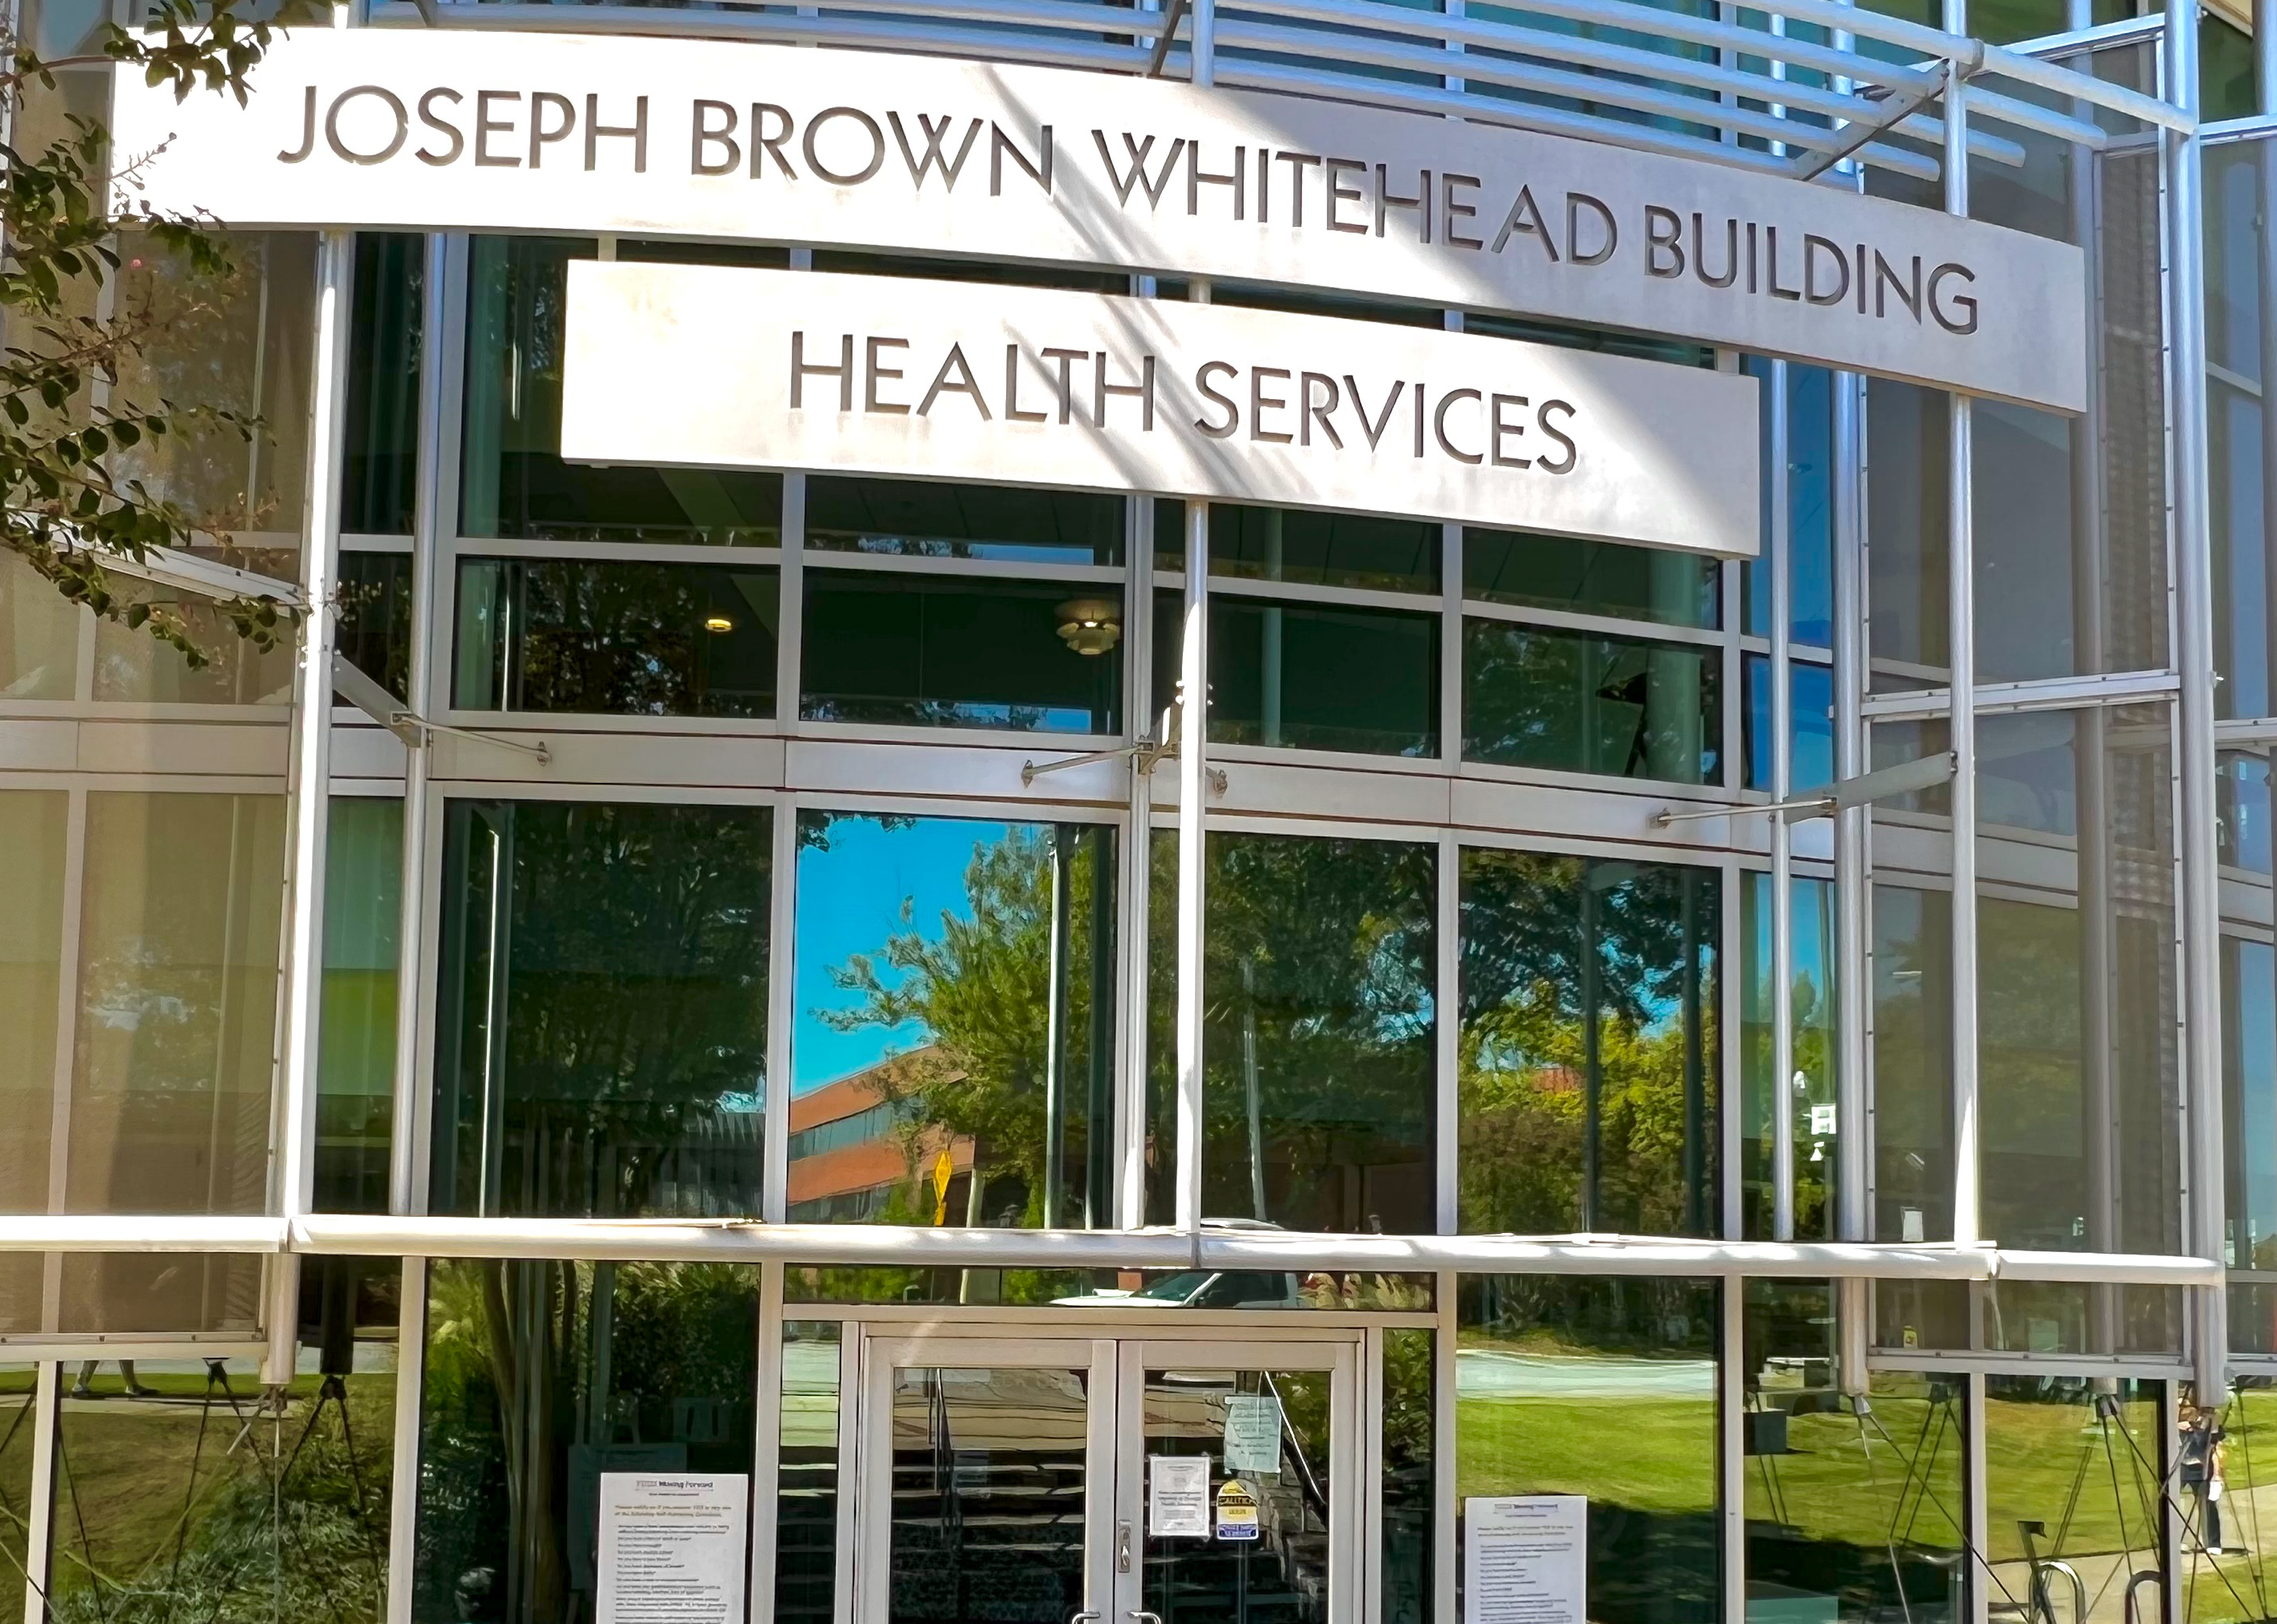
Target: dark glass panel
1598,578
1305,545
1912,1066
601,1035
925,651
1411,1531
1603,1387
952,1058
514,482
374,629
540,1377
1571,702
937,521
379,465
621,638
1318,1097
808,1474
1809,508
1587,1055
356,1070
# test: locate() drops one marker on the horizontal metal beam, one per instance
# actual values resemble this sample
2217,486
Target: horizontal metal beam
2039,693
856,1245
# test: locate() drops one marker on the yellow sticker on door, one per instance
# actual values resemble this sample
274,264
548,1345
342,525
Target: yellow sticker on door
1237,1510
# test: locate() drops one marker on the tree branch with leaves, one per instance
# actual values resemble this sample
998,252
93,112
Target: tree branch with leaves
78,420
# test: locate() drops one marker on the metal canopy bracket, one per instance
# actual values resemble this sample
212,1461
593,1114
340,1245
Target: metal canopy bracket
1893,111
1882,784
1172,16
355,685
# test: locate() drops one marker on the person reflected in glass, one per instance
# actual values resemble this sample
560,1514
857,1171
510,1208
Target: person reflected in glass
2200,1458
84,1388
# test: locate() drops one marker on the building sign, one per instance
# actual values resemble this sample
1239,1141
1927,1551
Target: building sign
495,131
721,367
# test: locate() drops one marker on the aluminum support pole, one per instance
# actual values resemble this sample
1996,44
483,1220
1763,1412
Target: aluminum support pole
295,1155
2194,754
1779,1104
1853,898
1961,655
1193,791
429,524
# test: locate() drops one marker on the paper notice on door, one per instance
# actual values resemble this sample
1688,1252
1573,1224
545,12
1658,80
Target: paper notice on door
671,1548
1252,1432
1177,1496
1525,1560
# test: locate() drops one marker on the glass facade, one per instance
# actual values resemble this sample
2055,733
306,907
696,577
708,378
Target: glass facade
769,1019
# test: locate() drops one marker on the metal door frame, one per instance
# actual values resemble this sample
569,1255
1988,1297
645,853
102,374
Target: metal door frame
1114,1358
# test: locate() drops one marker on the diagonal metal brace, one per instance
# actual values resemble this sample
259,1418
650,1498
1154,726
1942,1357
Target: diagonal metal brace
1172,16
1891,113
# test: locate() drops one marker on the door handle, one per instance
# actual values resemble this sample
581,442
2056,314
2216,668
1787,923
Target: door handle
1144,1616
1121,1548
1079,1618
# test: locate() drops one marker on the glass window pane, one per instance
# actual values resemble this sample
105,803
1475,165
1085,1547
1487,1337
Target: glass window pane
1310,676
1811,1118
2077,1023
379,464
241,343
1811,753
132,666
954,1057
541,1376
34,830
601,1044
39,636
1588,1056
621,638
1301,544
1598,578
1913,1063
374,629
1603,1387
925,651
179,929
1411,1531
923,518
356,1071
19,1442
807,1470
155,1504
1810,508
1907,521
1852,1516
513,482
1571,702
1318,1095
2249,1040
2073,1474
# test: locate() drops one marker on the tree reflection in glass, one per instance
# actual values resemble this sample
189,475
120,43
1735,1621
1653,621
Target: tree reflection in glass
602,1034
1587,1057
542,1375
952,1058
616,639
1317,1099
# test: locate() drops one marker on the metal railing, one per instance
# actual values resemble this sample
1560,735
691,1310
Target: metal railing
1772,92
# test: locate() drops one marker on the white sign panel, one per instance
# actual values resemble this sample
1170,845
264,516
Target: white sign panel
744,140
713,366
671,1548
1252,1432
1177,1496
1525,1560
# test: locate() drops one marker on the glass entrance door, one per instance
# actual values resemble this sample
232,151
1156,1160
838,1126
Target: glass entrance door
1072,1480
